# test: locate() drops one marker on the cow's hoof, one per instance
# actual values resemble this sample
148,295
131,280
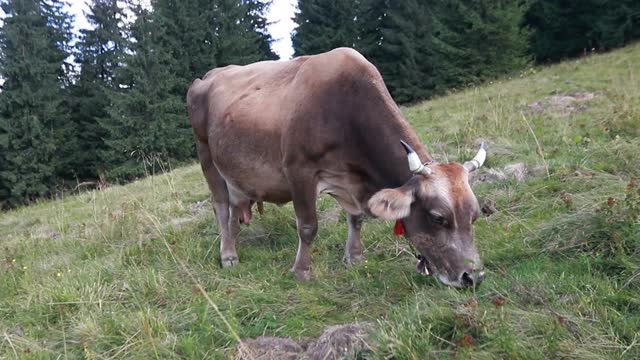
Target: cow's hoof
353,259
302,275
230,261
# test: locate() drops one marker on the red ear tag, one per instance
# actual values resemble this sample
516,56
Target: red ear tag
398,229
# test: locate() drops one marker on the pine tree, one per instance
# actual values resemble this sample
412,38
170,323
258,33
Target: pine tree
240,29
35,134
99,53
396,37
172,44
203,34
324,25
478,40
147,118
569,28
188,35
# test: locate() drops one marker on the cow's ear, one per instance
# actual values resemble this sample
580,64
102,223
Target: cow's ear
392,204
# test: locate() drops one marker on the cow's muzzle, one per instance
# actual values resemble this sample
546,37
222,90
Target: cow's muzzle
472,279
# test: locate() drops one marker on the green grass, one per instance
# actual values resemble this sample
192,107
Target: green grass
117,273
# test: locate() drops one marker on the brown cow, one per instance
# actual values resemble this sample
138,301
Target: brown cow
281,131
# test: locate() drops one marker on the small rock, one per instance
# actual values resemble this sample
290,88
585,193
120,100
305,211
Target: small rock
519,171
269,348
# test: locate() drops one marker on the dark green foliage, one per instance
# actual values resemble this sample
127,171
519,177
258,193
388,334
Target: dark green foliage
99,53
122,106
421,48
396,37
172,45
241,32
147,118
188,36
565,28
325,25
34,127
478,40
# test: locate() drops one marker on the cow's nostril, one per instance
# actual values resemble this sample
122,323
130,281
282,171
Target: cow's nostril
467,279
472,279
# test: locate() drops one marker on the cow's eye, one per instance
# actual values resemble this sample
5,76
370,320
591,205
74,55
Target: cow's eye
439,220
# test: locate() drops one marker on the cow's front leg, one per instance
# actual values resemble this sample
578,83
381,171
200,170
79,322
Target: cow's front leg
353,248
304,203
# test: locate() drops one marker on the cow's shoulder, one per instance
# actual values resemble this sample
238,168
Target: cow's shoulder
213,72
348,54
346,68
351,61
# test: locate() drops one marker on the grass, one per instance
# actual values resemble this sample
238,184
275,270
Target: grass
133,271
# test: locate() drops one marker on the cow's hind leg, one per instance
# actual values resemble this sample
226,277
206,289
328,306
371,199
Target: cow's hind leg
228,233
228,248
353,248
220,201
304,195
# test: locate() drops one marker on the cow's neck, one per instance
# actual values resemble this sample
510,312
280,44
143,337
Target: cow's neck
387,165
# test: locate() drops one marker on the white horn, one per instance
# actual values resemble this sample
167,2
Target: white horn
475,163
415,165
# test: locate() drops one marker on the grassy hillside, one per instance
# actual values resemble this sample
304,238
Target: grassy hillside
118,273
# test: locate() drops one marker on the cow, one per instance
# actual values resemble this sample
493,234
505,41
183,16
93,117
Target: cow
281,131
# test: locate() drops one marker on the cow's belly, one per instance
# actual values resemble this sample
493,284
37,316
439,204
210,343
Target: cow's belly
246,152
260,183
269,184
343,189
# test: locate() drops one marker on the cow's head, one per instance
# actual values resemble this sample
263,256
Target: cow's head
438,208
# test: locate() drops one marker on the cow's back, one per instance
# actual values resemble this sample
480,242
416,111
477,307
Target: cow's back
248,95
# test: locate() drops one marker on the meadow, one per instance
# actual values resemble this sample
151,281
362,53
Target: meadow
133,271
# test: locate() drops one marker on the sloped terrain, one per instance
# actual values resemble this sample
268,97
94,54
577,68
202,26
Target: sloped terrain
133,271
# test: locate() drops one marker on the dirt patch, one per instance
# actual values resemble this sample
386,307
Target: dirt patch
200,207
539,170
488,176
518,171
340,342
336,342
563,105
269,348
177,222
45,232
